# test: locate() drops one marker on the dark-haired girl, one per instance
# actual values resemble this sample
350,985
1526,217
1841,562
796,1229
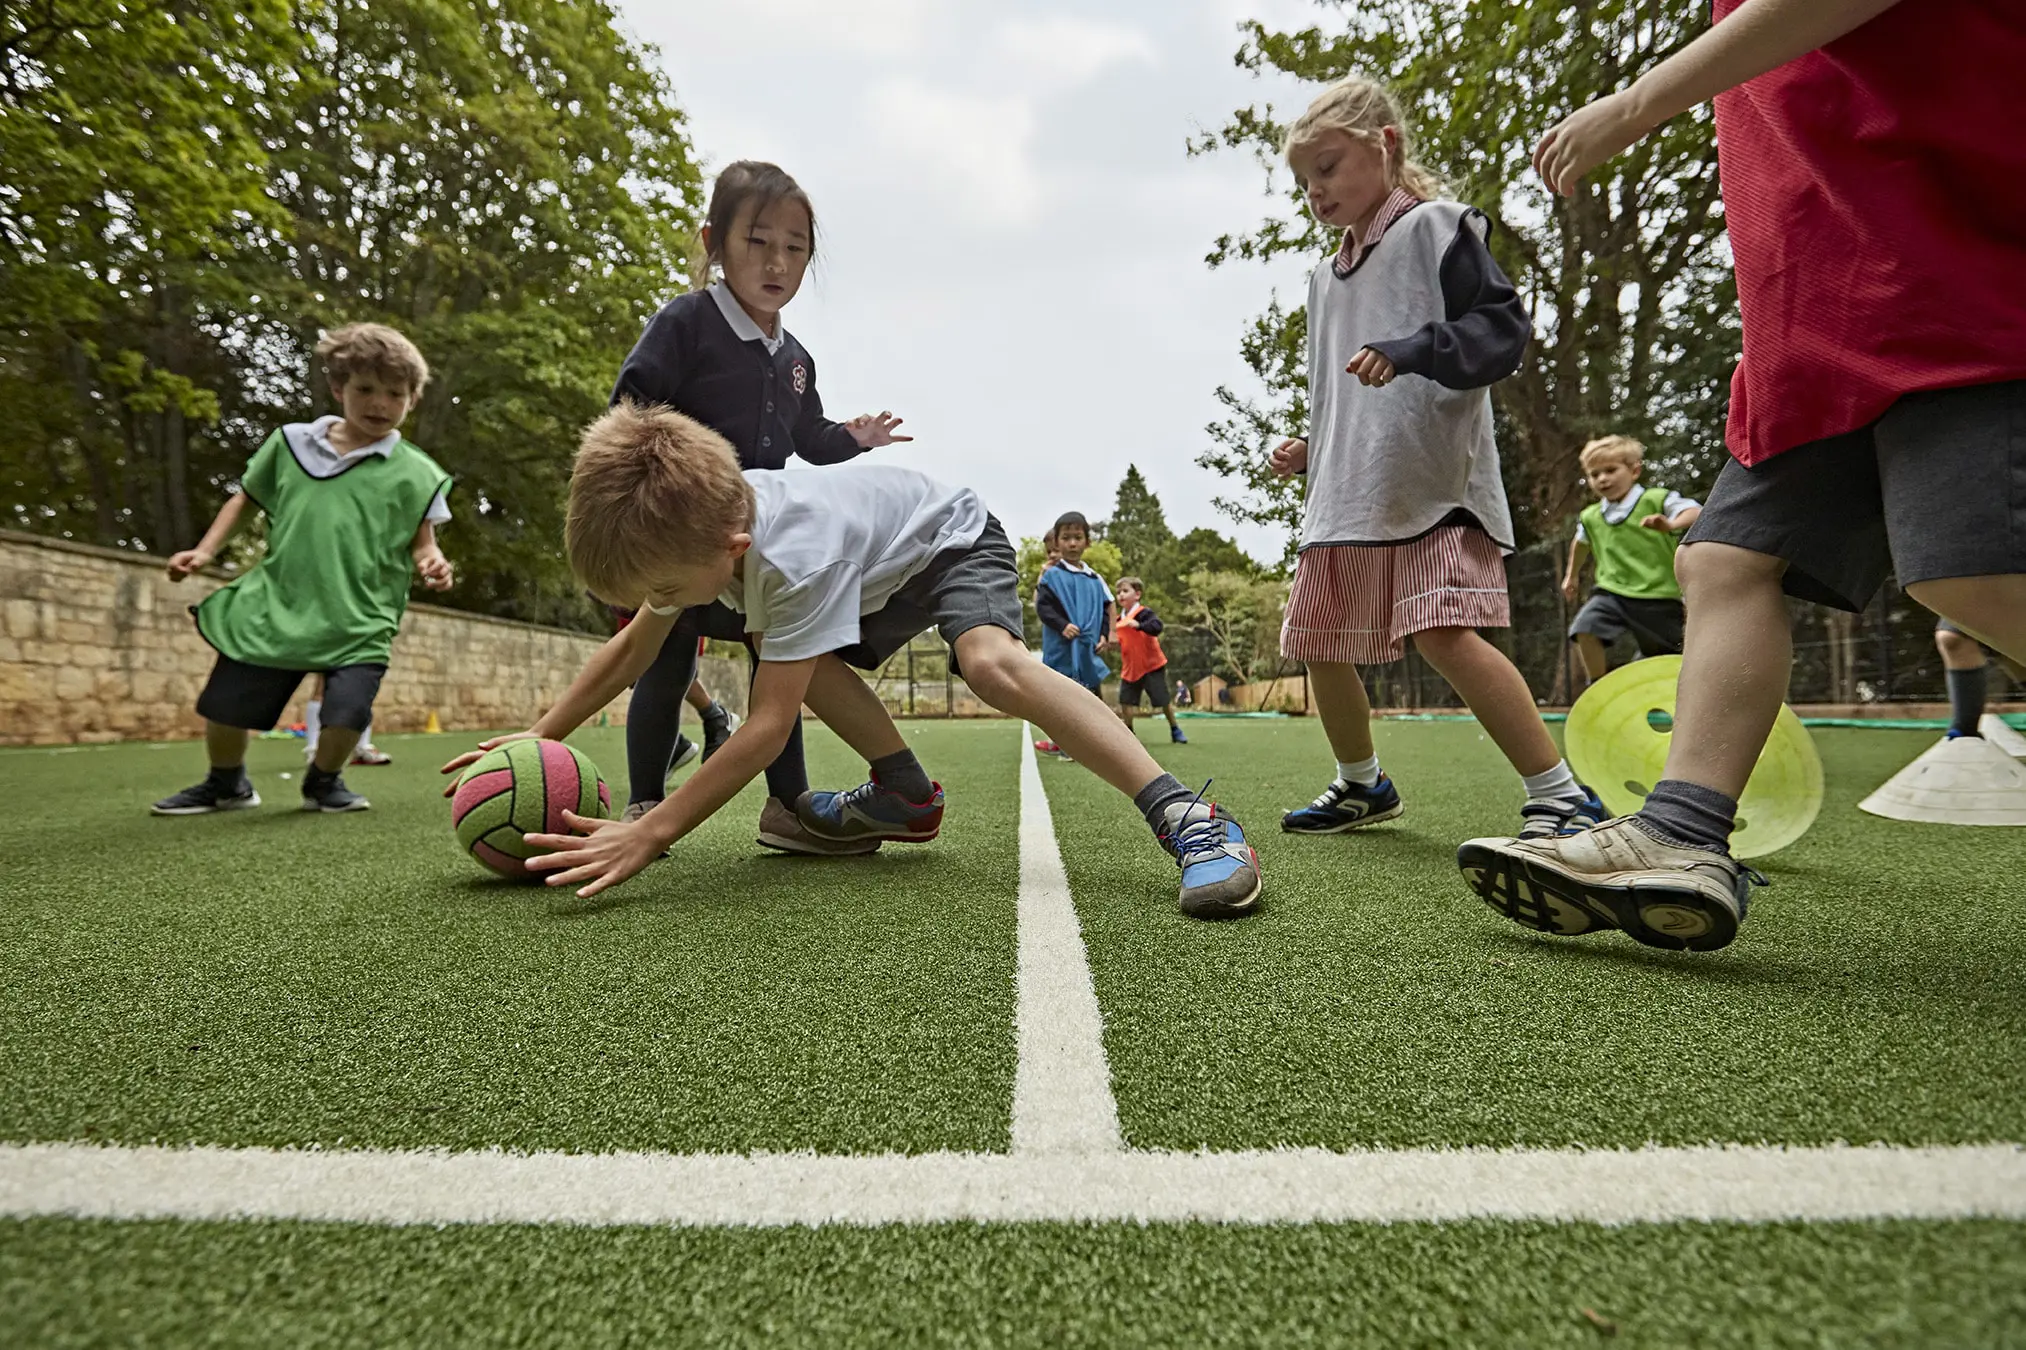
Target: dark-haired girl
721,355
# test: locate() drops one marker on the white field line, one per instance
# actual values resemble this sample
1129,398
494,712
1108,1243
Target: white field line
1062,1098
1750,1184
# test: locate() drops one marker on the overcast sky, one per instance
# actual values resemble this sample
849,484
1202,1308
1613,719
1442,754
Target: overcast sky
1012,237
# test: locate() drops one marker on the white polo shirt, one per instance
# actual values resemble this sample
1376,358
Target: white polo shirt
310,443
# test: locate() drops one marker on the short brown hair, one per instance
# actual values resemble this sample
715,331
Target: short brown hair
1621,448
650,490
1133,582
360,347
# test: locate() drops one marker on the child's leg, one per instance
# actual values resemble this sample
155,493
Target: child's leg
1992,608
348,710
1339,693
654,716
788,775
1963,664
698,697
1596,661
1128,711
226,746
1496,692
1735,664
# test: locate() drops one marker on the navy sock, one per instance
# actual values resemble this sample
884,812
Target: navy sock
714,717
1156,797
788,775
901,772
1967,689
1690,814
654,718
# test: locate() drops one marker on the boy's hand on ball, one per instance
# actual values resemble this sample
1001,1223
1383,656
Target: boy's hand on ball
189,560
1289,458
872,430
1370,367
603,853
471,757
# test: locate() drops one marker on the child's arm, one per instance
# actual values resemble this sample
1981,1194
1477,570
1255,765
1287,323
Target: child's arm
1752,40
435,569
1048,606
614,851
222,525
1484,330
1579,553
1685,512
1111,618
623,659
1148,622
822,441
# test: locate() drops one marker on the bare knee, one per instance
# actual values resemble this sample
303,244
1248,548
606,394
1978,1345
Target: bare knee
1707,568
1442,644
991,666
1959,652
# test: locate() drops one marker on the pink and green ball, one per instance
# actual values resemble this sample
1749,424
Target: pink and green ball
523,788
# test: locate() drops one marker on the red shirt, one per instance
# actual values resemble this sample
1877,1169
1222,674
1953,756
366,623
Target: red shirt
1875,192
1139,653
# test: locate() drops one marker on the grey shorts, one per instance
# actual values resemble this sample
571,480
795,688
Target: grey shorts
254,697
1935,488
1654,624
960,589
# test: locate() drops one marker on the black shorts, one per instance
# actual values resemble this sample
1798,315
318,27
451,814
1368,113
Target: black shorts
1935,488
960,589
1654,624
1154,684
254,697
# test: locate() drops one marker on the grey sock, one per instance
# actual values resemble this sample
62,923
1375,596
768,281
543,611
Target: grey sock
1967,689
901,772
1157,796
1690,814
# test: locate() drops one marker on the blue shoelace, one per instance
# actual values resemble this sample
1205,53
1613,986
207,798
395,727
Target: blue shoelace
1199,838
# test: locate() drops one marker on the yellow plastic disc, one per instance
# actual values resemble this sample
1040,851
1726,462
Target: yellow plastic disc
1617,739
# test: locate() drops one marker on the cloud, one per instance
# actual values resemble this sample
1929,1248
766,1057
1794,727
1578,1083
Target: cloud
1058,49
747,32
978,146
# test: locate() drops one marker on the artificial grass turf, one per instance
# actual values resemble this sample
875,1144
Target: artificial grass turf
68,1283
1873,994
277,978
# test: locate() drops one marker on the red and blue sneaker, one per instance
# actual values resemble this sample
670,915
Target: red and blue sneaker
871,811
1220,872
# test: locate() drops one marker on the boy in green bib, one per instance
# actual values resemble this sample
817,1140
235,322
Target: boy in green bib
1633,532
351,507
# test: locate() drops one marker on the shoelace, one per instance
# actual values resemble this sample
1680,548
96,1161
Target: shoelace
1199,838
854,796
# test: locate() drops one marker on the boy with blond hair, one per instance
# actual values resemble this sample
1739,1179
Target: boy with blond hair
352,509
1633,532
842,567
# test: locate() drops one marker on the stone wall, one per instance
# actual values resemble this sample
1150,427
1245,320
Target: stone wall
98,645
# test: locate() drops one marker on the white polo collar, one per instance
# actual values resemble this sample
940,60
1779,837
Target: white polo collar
743,327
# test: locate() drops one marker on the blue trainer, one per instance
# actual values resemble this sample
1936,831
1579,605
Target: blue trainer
1552,817
1345,806
1220,872
1175,735
870,811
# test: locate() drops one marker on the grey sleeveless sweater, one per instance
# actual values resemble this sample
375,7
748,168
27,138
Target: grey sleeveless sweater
1388,463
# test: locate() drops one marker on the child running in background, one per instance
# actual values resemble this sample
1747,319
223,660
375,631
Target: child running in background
1143,665
1076,613
1874,180
721,355
364,753
1966,664
352,509
1633,532
1405,525
827,569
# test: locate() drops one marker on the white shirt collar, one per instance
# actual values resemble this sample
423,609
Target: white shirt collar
743,327
1082,567
311,442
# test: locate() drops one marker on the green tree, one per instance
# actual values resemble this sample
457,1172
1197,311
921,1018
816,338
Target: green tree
1241,613
1139,528
1629,281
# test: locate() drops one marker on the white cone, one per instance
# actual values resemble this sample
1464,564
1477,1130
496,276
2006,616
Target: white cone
1994,729
1966,781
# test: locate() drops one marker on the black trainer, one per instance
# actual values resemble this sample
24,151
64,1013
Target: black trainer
327,792
716,731
207,797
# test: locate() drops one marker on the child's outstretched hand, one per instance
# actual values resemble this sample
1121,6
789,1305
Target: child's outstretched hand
1656,521
1370,367
1586,138
471,757
872,430
436,571
607,853
1289,458
189,560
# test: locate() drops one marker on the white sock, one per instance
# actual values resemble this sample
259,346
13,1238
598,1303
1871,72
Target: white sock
1556,784
1365,772
312,723
365,739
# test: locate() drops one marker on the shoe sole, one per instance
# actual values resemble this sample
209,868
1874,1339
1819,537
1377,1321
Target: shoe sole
1535,895
361,805
825,848
680,760
1229,909
1393,812
246,805
882,833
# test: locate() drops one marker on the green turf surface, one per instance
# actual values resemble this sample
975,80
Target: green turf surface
1872,995
271,977
66,1283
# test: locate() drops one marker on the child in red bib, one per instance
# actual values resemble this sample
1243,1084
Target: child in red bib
1144,666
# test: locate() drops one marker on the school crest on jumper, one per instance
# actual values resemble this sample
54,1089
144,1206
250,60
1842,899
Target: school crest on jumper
800,376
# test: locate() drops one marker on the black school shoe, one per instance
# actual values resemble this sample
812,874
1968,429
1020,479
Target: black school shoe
327,792
207,797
